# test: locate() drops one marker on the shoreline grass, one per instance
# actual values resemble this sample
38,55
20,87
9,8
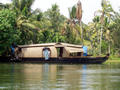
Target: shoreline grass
113,59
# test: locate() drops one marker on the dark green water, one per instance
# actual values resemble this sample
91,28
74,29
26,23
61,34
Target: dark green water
59,77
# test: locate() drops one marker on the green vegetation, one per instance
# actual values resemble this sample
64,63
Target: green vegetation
20,24
8,31
112,61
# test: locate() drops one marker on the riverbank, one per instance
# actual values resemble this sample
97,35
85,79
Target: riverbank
113,60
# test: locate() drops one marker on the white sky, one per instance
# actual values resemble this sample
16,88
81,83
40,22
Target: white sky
88,6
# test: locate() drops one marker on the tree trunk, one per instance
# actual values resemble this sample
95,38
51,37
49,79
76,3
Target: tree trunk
109,48
81,32
101,40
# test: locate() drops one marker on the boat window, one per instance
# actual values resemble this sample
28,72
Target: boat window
79,54
76,54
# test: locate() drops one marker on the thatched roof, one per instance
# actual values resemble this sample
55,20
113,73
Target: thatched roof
37,45
51,44
71,45
73,50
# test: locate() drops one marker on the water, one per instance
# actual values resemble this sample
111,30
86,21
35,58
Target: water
59,77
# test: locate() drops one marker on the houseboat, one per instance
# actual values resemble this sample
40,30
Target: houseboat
55,53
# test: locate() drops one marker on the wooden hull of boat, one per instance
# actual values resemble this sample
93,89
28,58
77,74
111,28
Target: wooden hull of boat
81,60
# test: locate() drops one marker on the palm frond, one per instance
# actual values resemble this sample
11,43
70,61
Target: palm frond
79,11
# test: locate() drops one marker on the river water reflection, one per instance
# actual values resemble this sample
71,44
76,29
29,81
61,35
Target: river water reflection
59,77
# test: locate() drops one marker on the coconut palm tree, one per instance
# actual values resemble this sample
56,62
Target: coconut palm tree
79,11
106,12
25,21
72,14
22,6
23,11
75,14
79,17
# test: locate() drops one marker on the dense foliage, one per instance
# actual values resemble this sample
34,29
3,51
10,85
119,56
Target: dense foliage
20,24
8,31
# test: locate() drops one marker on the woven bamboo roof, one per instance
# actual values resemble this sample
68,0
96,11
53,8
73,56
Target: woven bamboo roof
73,50
51,44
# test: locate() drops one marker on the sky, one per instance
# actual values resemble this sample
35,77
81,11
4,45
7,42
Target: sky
88,6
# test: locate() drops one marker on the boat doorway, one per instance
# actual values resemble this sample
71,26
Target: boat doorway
46,53
59,51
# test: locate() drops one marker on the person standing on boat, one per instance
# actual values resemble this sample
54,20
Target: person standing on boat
13,46
46,53
85,50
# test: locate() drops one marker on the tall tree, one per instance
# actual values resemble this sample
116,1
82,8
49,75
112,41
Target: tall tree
57,22
79,17
115,34
25,22
72,13
23,6
106,14
75,14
